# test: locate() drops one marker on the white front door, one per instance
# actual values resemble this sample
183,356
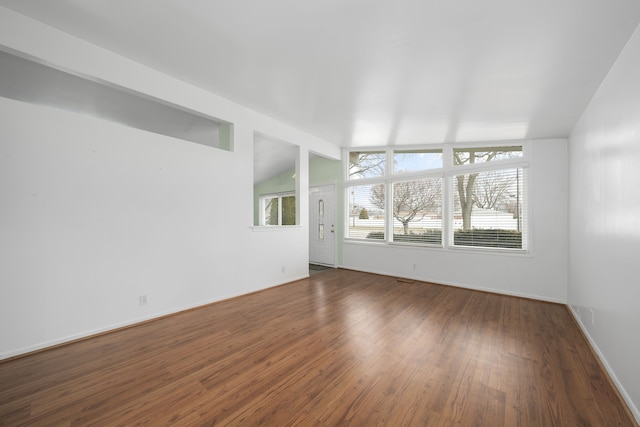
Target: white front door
322,225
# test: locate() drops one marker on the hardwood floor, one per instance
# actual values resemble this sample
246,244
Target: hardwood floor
339,348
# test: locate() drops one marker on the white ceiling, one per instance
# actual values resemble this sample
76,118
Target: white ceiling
373,72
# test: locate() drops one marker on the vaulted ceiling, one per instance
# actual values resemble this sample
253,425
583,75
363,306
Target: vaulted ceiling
373,72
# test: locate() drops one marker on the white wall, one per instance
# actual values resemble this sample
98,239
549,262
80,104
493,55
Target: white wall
604,274
94,214
541,274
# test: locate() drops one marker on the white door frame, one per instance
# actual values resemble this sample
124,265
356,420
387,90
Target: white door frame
333,229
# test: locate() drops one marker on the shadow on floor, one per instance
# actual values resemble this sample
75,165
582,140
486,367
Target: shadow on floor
315,269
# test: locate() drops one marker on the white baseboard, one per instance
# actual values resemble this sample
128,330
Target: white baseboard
461,285
89,333
603,360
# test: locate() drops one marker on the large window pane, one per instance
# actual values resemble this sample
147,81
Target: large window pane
368,164
366,212
488,209
417,211
416,160
466,156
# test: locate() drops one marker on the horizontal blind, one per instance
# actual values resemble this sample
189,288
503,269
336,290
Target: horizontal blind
488,209
417,211
366,215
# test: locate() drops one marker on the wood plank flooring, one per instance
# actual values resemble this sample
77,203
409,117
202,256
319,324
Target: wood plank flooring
338,349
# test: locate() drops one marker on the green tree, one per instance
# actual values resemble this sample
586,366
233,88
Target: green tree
271,212
289,210
364,214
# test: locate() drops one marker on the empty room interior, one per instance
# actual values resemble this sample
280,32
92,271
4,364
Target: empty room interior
320,213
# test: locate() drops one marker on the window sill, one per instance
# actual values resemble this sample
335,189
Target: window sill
274,227
415,245
491,251
364,242
467,249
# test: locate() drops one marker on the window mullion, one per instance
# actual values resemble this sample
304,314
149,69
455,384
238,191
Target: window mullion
388,189
261,204
447,197
523,214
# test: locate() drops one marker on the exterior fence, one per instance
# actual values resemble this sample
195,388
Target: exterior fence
480,219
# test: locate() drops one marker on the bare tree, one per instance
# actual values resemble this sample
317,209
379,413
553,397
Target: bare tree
367,164
272,207
466,184
412,200
465,196
493,190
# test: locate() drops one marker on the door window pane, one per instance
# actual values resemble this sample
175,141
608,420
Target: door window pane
320,219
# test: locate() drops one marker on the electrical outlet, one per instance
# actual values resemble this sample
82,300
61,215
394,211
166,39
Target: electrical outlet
284,270
142,300
413,266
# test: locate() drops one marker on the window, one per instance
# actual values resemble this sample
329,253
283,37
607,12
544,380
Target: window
367,207
417,211
278,209
367,164
484,187
405,161
488,208
466,156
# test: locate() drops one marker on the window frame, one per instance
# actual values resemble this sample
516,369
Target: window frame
447,174
262,200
